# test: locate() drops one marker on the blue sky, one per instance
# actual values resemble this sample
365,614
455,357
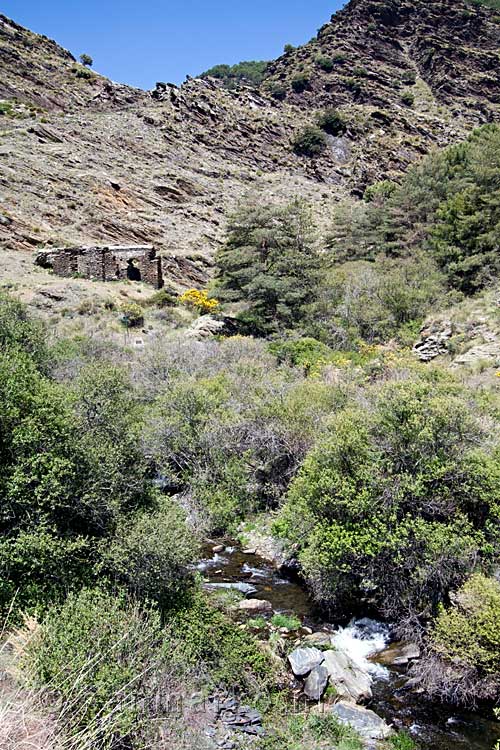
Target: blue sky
141,42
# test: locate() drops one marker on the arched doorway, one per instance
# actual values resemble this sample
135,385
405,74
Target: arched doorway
133,273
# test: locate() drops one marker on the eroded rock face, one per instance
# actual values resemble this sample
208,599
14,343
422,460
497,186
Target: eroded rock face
365,722
304,660
104,163
350,682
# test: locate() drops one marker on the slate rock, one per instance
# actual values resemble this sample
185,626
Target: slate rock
367,723
350,681
304,660
316,683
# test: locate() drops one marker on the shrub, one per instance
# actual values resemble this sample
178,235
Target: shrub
380,190
310,142
210,642
462,664
103,657
332,122
402,741
352,84
250,72
131,315
86,60
277,90
325,63
300,82
395,507
409,77
82,72
408,98
288,48
150,555
199,300
163,298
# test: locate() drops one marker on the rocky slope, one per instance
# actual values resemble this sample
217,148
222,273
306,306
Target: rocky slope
84,159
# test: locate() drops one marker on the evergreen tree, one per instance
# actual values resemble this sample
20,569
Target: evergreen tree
270,263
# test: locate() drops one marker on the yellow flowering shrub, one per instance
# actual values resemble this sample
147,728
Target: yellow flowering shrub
199,300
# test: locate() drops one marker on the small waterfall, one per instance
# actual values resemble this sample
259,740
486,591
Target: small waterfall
362,639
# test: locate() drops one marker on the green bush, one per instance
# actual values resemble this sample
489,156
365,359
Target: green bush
150,555
325,63
105,659
301,82
211,642
408,98
277,90
332,122
86,60
409,77
397,503
467,633
286,621
402,741
132,315
310,142
249,72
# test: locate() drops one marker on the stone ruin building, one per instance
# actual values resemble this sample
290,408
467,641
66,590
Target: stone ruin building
105,263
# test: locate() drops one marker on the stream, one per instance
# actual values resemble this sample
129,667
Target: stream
433,726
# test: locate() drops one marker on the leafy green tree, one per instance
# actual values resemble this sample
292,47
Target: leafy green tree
270,264
86,60
250,72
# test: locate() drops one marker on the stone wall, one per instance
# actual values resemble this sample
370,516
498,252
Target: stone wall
105,263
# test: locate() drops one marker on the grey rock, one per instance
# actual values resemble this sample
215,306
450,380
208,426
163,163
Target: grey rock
304,660
368,725
434,340
316,683
351,682
399,654
318,639
255,605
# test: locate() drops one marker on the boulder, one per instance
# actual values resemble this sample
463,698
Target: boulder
255,605
351,682
368,725
316,683
399,654
318,639
304,660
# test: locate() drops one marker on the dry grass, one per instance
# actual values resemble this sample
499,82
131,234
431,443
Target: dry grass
25,720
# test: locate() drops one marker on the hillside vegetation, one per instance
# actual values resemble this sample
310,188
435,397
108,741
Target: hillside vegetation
321,372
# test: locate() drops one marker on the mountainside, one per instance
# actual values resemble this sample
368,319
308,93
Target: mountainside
88,160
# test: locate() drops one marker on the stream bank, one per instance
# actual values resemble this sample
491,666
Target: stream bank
366,642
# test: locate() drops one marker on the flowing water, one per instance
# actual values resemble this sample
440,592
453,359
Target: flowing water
433,726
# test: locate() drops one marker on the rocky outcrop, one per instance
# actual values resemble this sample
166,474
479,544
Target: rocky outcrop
91,162
434,339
